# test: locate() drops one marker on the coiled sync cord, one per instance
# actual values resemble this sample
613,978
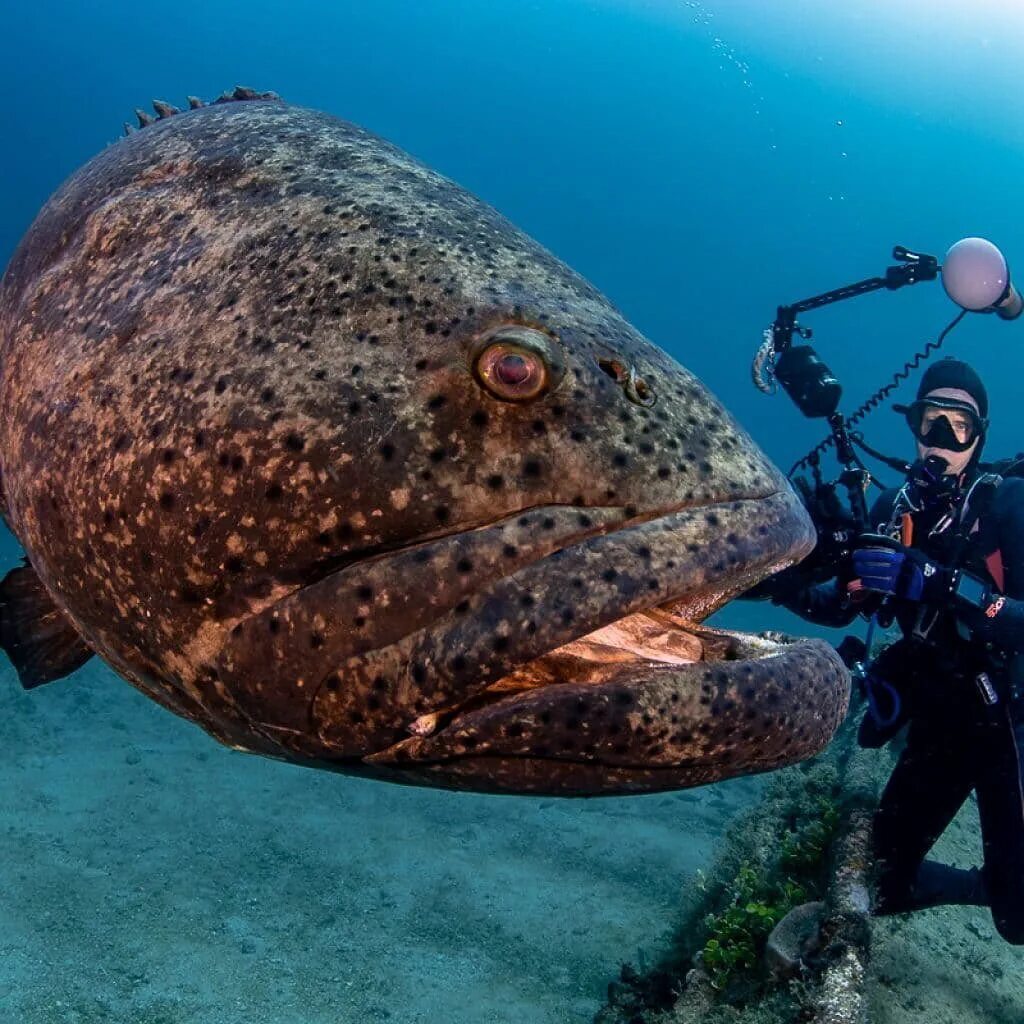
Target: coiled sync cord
762,368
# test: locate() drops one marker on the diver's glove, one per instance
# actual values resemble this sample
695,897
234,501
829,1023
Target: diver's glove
901,572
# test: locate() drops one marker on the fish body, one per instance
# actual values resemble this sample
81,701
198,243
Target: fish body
319,451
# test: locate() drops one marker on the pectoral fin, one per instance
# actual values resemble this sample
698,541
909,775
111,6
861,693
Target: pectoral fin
39,639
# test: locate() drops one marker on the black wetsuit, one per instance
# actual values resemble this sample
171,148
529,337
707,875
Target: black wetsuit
957,742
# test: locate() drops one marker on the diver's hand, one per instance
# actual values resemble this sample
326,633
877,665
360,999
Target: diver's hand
902,572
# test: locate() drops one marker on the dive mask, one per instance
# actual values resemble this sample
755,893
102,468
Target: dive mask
944,423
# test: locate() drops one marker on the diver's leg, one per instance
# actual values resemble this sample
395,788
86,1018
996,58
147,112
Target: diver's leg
1001,808
928,786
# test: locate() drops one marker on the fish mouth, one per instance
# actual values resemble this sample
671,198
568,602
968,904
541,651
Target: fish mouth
615,686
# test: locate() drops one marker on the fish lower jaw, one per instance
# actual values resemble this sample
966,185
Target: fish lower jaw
633,716
655,642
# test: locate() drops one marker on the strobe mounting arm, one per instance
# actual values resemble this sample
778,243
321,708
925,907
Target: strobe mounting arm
912,268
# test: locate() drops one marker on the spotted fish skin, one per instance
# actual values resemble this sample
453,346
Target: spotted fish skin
248,454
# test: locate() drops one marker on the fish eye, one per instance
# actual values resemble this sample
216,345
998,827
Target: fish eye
517,364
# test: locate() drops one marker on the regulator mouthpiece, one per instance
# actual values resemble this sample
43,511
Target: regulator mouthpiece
976,278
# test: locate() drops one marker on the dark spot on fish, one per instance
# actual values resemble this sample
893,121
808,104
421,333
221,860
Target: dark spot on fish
295,442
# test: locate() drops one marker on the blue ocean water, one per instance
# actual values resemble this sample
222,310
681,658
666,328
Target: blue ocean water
700,162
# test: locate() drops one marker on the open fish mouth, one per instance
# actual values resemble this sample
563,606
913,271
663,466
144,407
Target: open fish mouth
587,671
638,717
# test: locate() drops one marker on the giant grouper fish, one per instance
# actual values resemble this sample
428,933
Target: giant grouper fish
319,451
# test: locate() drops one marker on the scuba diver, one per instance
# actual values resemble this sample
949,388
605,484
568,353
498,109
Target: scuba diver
945,561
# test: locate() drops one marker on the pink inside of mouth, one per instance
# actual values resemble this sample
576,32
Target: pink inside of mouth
647,636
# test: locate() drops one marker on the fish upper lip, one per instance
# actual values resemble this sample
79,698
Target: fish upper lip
332,564
741,572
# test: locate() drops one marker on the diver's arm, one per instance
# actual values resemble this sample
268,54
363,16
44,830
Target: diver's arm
828,603
995,618
825,604
1001,623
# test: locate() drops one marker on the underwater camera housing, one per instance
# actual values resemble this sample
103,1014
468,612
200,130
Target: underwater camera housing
976,277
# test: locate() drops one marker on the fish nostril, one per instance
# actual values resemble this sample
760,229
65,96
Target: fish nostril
636,388
615,369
